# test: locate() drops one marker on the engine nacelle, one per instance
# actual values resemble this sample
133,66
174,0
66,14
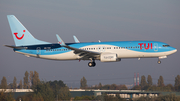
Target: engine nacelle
109,57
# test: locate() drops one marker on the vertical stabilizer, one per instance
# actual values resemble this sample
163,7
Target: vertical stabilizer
21,36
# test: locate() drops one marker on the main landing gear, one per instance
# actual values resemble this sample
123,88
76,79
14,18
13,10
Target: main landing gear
92,63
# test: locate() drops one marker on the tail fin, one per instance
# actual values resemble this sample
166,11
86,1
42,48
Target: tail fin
61,42
21,36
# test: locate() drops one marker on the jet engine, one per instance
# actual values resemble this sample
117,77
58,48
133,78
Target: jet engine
109,57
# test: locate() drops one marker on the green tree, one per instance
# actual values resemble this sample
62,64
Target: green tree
6,96
169,87
86,98
64,94
26,83
106,87
169,97
136,87
113,87
99,86
10,86
20,85
177,80
31,77
149,80
35,78
83,82
31,97
177,83
122,87
43,90
143,81
4,83
106,97
14,83
160,82
56,86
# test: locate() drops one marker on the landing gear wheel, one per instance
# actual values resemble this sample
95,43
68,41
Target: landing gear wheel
94,64
91,64
159,62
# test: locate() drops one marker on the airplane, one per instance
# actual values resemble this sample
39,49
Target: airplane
114,51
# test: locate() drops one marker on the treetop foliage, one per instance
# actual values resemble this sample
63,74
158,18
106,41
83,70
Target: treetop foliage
143,81
14,83
83,82
149,80
4,83
160,86
26,84
160,81
6,96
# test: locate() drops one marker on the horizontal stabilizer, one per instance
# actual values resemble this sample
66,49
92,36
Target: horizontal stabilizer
16,47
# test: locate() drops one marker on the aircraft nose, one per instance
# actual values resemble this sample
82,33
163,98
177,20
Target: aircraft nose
174,50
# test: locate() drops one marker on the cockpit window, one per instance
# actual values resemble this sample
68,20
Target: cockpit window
166,45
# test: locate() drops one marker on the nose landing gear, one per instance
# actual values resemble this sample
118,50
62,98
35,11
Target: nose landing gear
161,57
159,62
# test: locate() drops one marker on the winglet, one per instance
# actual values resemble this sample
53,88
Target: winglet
75,39
60,41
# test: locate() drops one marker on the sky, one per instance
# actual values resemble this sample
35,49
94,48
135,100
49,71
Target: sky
90,21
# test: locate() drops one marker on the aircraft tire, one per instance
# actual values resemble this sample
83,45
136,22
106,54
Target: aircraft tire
159,62
91,64
94,64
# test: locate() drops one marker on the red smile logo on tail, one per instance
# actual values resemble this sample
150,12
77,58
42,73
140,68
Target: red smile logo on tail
60,42
19,38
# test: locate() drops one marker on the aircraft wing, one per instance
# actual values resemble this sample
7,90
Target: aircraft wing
84,54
